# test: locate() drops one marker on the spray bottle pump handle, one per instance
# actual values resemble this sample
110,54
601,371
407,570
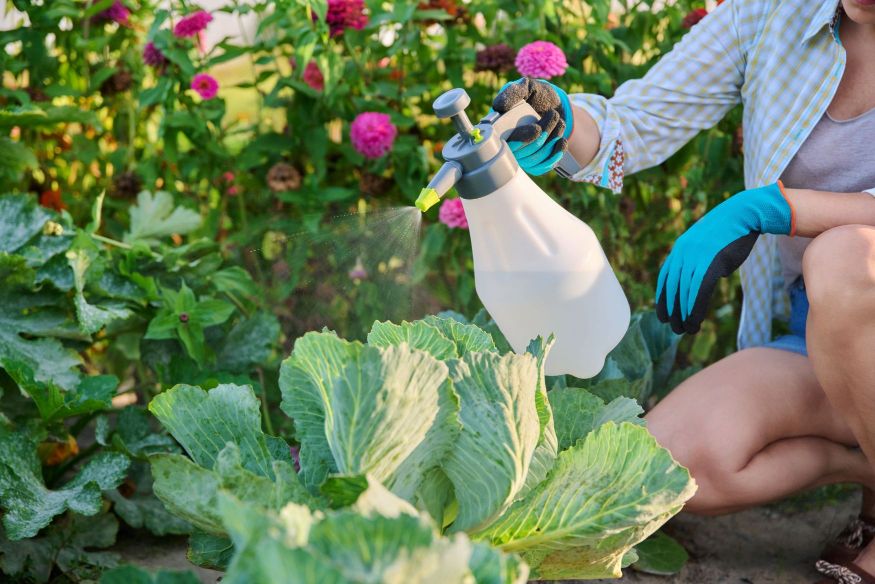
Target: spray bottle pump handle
452,104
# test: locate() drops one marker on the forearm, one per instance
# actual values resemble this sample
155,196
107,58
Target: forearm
584,142
819,211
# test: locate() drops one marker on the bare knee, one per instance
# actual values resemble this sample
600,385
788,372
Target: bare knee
839,271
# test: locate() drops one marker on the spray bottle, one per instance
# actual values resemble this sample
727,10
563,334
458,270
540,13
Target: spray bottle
538,269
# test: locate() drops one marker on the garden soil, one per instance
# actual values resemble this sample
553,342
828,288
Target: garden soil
766,545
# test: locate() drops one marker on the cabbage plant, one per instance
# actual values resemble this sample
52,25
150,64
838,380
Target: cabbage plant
472,461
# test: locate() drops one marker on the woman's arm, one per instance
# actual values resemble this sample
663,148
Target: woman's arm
818,211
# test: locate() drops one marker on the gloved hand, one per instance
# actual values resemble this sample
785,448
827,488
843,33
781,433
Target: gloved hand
539,146
714,247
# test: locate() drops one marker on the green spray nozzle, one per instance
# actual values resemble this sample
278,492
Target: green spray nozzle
427,199
445,179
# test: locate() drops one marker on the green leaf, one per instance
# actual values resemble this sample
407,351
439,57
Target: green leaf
467,337
234,280
91,318
660,554
15,158
136,575
211,311
578,412
393,416
628,369
143,510
155,216
305,381
500,430
205,422
249,342
605,495
93,394
66,546
418,335
29,505
662,345
210,551
20,219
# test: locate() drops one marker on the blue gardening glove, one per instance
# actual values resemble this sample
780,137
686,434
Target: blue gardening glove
714,247
538,147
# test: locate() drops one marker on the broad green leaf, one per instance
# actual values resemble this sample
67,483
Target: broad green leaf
92,318
662,345
65,547
156,216
137,435
578,412
249,342
20,219
94,393
547,449
628,369
137,575
204,422
435,495
29,505
305,381
190,491
210,551
418,335
660,554
234,280
467,337
142,509
393,416
605,495
490,566
15,158
490,460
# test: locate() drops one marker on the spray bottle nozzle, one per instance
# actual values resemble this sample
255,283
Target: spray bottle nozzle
445,179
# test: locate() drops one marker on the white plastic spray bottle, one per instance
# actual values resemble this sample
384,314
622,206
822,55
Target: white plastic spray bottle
538,269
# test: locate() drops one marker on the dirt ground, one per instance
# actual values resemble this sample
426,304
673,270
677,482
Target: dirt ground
767,545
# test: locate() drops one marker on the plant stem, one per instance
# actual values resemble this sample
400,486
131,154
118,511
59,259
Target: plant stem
265,411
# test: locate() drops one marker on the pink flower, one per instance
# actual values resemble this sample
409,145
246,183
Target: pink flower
233,191
344,14
192,24
693,17
205,85
228,176
541,59
118,12
153,57
313,76
372,134
452,214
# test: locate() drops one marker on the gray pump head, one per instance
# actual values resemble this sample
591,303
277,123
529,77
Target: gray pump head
478,159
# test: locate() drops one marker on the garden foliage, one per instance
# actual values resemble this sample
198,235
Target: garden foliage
175,211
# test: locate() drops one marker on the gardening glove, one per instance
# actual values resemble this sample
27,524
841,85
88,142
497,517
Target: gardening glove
538,147
714,247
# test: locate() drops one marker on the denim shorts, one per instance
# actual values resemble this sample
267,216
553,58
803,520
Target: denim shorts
795,341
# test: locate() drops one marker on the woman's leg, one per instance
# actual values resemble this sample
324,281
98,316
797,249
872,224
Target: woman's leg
756,427
839,268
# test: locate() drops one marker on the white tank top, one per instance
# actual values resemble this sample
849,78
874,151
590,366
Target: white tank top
837,156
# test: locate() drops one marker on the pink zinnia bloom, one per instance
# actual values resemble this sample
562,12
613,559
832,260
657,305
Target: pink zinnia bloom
452,214
541,59
344,14
372,134
192,24
313,76
205,85
693,17
152,56
118,12
228,176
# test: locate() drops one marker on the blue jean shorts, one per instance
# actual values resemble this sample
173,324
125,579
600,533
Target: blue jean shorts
795,341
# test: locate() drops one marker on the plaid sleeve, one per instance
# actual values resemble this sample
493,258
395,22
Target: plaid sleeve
690,89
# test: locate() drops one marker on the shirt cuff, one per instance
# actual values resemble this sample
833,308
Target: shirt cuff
607,167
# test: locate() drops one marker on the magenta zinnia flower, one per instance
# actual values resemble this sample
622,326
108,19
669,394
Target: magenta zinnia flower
452,214
313,76
118,12
344,14
152,56
541,59
205,85
192,24
372,134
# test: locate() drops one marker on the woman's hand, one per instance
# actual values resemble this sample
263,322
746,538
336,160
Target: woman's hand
538,147
714,247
